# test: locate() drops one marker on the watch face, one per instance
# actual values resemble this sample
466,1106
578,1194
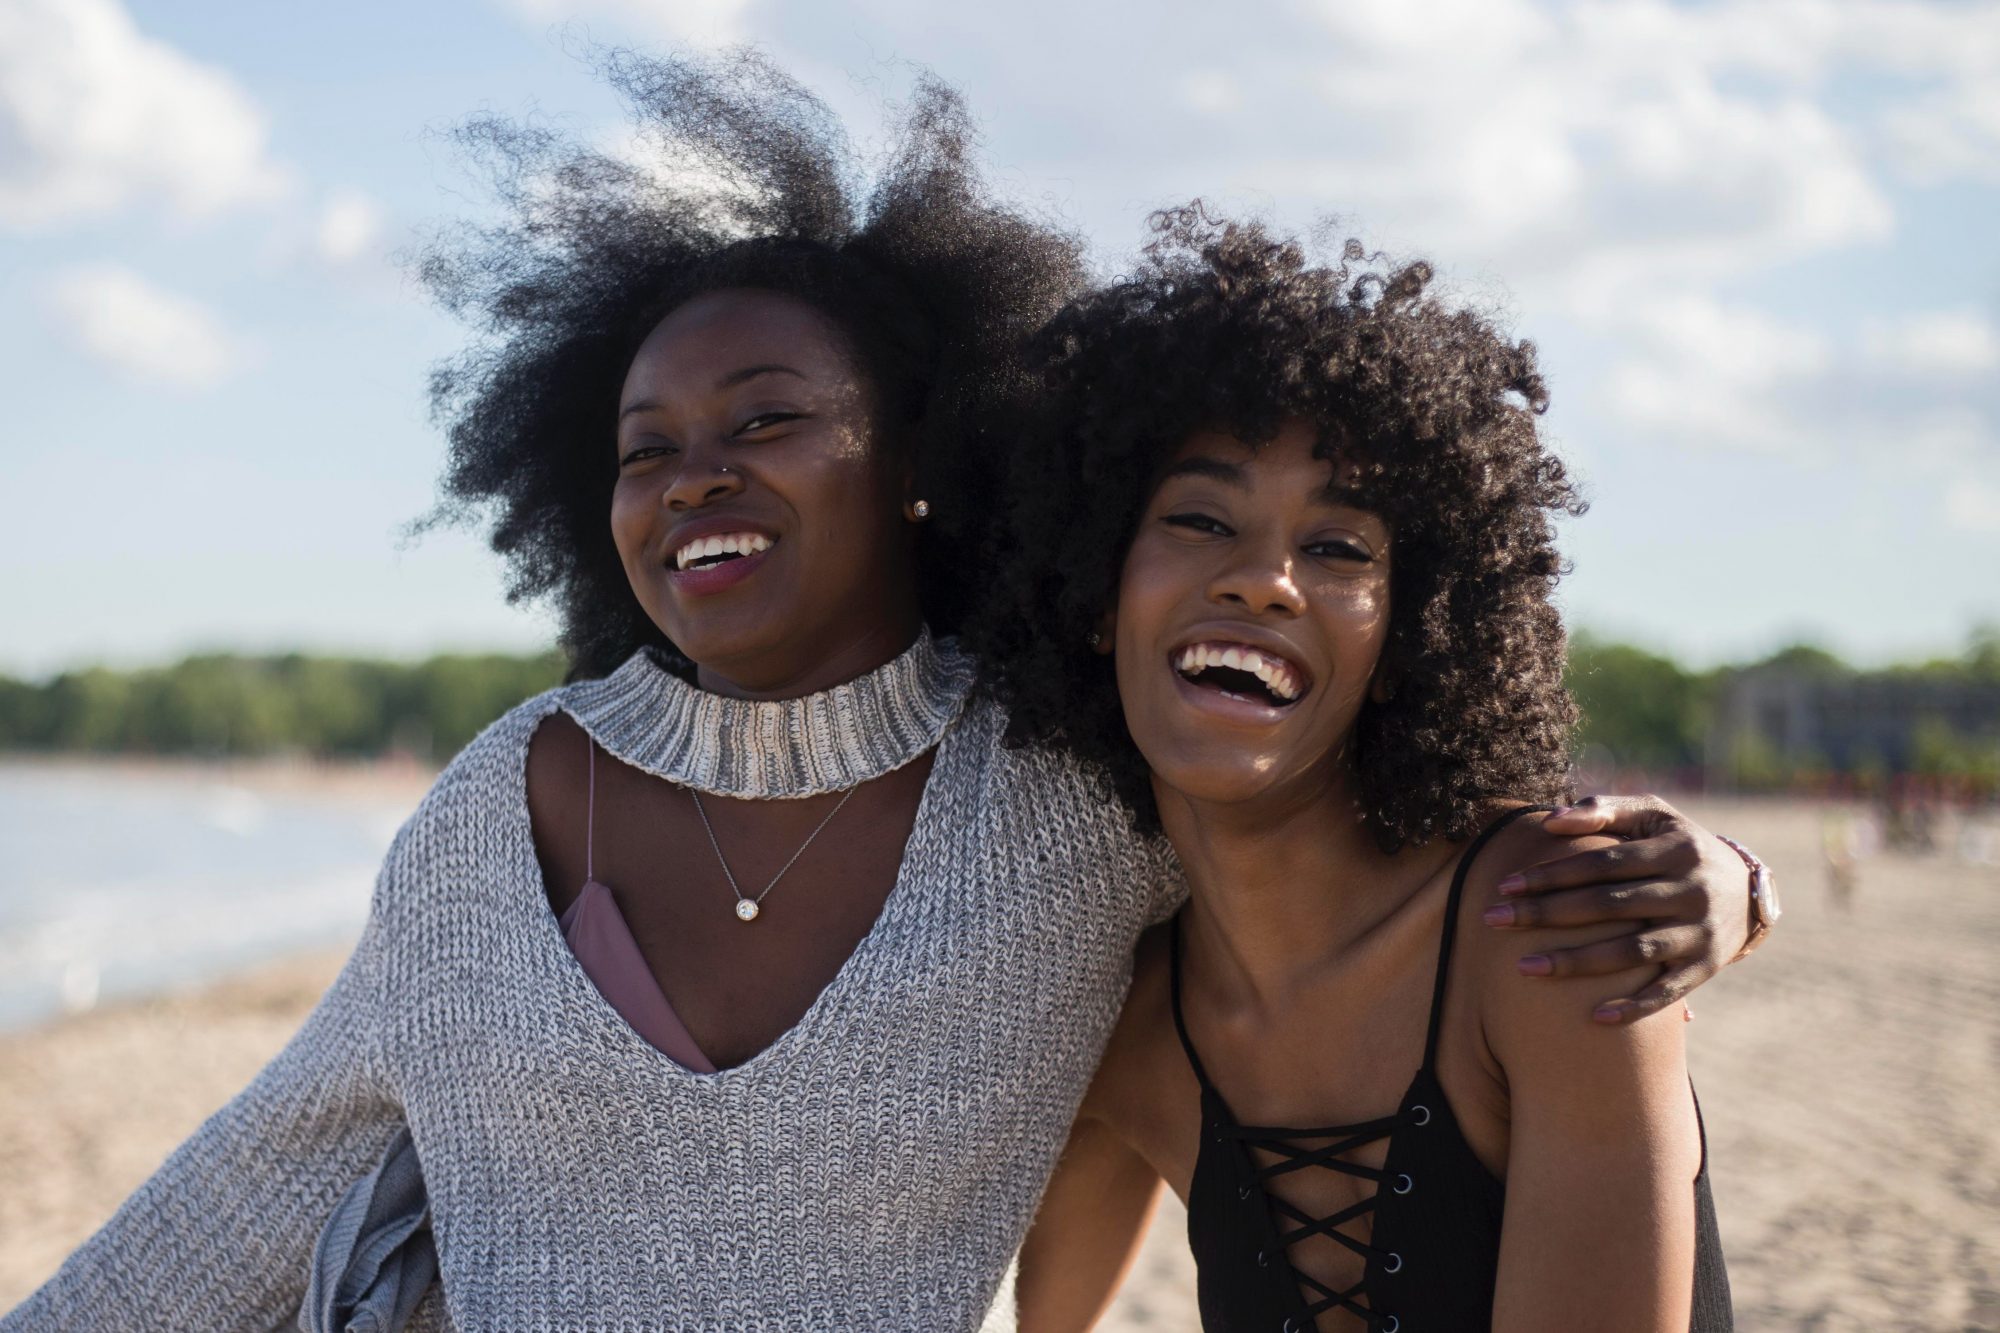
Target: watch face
1765,892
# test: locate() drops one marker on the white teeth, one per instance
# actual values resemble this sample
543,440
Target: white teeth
734,543
1277,674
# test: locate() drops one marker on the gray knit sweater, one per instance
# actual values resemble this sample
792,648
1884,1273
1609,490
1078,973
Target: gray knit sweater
875,1168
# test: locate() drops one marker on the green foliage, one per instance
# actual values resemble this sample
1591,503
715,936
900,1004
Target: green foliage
1941,752
1806,659
1647,710
224,704
1651,712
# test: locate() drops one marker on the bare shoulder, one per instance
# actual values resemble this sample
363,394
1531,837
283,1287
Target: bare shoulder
1542,1014
557,758
1523,843
557,778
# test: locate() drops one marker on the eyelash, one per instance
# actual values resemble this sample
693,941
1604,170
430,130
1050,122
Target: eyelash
757,422
642,451
1337,550
1200,523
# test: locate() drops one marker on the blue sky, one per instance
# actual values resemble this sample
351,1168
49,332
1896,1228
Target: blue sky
1755,243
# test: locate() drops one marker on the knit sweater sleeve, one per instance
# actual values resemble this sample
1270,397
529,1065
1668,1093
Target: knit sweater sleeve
220,1236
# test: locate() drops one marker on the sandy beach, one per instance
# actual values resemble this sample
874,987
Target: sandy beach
1849,1077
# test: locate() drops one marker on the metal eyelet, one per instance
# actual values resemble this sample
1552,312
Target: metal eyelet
1420,1115
1404,1184
1393,1324
1263,1259
1290,1326
1395,1264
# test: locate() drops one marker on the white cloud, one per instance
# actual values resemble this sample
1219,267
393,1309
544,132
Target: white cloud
1937,344
1952,134
1593,147
1971,505
1713,374
94,115
349,227
1209,91
700,22
1631,170
147,333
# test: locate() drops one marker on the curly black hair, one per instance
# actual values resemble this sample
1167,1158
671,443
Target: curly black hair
1225,325
736,176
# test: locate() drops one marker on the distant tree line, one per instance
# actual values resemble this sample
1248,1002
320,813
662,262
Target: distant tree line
1644,710
1938,719
224,704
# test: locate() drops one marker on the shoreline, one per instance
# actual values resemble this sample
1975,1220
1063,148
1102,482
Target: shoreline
376,779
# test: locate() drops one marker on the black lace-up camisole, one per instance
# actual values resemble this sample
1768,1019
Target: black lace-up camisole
1433,1249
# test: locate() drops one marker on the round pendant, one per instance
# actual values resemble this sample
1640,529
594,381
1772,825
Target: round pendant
746,910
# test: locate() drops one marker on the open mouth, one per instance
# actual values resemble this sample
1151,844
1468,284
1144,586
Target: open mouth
720,549
1254,675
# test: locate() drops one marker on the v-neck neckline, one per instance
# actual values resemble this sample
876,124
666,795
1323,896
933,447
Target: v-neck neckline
919,849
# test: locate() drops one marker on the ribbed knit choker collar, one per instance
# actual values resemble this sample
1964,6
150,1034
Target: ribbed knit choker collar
652,719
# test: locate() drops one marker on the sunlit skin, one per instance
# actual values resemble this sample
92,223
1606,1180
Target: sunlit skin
743,411
1215,559
1310,952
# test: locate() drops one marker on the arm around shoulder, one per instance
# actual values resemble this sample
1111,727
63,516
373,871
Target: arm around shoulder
1603,1145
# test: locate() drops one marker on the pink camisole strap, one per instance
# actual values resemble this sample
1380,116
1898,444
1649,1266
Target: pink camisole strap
596,933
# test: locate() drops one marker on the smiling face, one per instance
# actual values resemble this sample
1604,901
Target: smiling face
1252,611
757,513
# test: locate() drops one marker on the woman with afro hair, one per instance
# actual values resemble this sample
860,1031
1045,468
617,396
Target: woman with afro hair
748,979
1280,568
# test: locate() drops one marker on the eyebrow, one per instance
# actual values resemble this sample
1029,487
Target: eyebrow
729,381
1213,468
736,377
1231,474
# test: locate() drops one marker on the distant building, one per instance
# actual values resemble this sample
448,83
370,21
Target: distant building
1780,719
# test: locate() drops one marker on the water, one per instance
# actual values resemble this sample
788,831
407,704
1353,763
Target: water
117,882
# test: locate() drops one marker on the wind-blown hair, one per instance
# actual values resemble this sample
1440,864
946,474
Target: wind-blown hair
1225,326
735,176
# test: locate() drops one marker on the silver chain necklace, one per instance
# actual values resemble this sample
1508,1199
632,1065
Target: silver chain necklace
747,908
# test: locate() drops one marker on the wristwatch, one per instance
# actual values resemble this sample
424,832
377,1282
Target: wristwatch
1764,909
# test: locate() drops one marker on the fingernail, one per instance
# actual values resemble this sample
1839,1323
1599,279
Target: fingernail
1562,810
1536,965
1608,1013
1512,884
1501,914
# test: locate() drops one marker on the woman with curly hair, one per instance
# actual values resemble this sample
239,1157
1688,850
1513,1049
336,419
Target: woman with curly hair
1282,568
748,979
